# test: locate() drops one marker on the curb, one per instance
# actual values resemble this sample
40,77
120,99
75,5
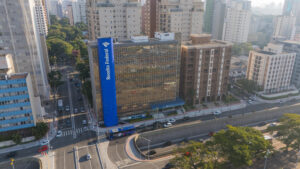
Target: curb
98,152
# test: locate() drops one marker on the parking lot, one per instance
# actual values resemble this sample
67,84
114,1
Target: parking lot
84,163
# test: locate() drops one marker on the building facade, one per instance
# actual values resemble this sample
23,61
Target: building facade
205,67
285,27
185,17
18,107
218,19
146,74
79,11
41,17
19,36
271,68
119,19
68,12
237,21
208,16
294,47
149,18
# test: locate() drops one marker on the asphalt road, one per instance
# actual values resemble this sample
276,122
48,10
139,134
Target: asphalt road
26,163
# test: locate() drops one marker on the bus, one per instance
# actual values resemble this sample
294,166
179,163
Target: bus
120,132
60,104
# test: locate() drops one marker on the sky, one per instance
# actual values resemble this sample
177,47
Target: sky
261,3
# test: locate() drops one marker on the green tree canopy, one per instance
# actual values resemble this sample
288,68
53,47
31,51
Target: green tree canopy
249,85
40,130
54,78
53,20
82,26
59,48
288,130
240,145
56,33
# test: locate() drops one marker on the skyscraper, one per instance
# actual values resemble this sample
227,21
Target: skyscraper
185,17
208,16
218,19
237,21
285,27
119,19
149,17
41,17
20,37
79,13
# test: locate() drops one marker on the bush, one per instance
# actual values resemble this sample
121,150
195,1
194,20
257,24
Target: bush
40,130
16,138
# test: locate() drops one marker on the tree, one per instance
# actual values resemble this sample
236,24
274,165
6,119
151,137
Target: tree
241,49
56,33
84,71
59,48
240,145
288,130
16,138
249,85
87,91
53,20
54,78
82,26
64,21
196,155
40,130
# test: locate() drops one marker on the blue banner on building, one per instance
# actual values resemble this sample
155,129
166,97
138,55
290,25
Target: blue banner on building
107,80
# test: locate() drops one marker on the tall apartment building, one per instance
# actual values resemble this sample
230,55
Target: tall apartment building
285,27
205,67
41,17
185,17
55,7
79,13
208,16
119,19
218,19
149,17
291,8
146,75
68,13
294,47
271,68
237,21
19,36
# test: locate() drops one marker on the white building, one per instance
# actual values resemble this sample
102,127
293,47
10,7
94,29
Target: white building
19,37
271,68
237,21
285,27
120,19
41,17
79,13
185,17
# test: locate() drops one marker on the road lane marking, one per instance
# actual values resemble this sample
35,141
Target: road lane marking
64,159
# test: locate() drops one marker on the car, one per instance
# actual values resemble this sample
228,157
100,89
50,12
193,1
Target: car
218,112
88,157
44,142
82,109
169,166
273,124
11,154
166,125
171,120
84,122
76,110
250,101
85,128
43,148
280,101
67,108
59,133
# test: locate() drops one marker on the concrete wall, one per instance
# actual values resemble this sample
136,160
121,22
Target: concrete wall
10,142
179,132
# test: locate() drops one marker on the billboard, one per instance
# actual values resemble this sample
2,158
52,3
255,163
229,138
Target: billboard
107,81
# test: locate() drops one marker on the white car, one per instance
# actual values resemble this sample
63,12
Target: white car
88,157
218,112
171,120
59,133
67,108
44,142
83,122
85,128
166,125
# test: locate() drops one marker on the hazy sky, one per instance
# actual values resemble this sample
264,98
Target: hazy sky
260,3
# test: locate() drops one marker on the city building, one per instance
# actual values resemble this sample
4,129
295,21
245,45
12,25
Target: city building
294,47
285,27
68,13
291,8
79,13
149,18
185,17
6,64
205,67
119,19
41,17
19,37
237,21
208,16
55,7
218,19
271,68
146,75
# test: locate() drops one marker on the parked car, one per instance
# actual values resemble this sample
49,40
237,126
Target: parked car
83,122
82,109
85,128
88,157
171,120
76,110
67,108
44,142
218,112
59,133
273,124
166,125
11,154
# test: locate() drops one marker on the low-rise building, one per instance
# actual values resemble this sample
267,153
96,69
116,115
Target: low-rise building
271,68
205,67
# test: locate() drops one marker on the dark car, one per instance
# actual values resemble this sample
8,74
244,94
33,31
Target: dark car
168,166
11,154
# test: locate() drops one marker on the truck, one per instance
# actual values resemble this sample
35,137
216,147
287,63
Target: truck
60,105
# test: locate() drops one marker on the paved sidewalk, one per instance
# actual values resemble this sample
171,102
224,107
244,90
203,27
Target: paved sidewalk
106,162
47,160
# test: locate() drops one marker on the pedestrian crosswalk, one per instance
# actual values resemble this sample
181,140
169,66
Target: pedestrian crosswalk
70,131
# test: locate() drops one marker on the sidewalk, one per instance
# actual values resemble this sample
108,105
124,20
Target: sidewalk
277,100
47,160
50,135
106,162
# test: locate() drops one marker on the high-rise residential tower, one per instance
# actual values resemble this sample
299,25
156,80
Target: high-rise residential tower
149,17
237,21
19,36
208,16
285,27
79,13
218,19
204,68
119,19
41,17
185,17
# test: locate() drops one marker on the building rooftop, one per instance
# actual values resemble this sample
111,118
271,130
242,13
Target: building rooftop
212,43
266,52
292,42
13,76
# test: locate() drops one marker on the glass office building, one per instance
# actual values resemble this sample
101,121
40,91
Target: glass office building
146,71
